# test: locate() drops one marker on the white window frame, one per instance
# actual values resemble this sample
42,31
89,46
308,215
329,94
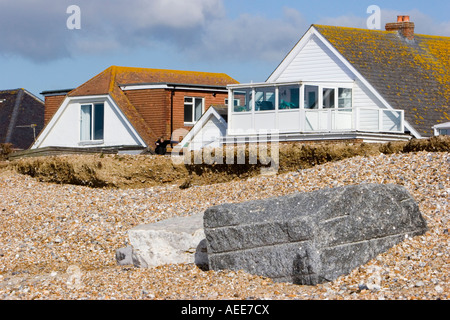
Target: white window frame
92,124
237,102
189,123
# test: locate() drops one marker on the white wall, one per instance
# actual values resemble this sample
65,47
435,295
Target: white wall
316,62
64,128
209,135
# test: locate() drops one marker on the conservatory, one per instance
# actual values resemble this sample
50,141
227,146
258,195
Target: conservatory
305,107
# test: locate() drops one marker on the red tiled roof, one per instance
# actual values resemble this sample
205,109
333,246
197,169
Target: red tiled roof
108,82
114,76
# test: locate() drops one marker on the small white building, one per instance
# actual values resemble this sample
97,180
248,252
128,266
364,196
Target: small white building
208,132
442,129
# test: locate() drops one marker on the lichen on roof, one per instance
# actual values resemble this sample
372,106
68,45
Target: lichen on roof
107,80
110,80
410,75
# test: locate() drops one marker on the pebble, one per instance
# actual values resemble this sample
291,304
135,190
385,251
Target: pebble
59,241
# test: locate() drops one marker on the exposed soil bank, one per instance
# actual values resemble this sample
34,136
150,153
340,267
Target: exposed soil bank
140,171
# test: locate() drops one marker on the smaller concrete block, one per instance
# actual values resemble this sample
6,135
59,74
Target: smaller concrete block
171,241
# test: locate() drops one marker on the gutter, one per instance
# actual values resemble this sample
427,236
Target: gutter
172,93
165,85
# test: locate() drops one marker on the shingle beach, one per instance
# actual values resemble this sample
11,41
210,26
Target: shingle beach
59,241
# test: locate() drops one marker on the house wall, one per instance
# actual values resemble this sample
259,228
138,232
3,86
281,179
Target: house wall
178,105
155,107
52,104
209,135
312,61
316,62
64,129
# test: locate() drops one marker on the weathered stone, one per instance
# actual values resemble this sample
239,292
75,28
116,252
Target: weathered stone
201,256
127,256
74,276
311,238
171,241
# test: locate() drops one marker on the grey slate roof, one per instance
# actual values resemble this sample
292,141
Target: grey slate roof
19,109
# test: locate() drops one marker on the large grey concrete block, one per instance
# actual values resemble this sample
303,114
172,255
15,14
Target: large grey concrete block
310,238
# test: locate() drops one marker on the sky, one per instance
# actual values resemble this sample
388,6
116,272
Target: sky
46,45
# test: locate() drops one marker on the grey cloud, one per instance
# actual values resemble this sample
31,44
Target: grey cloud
33,29
36,29
199,29
250,37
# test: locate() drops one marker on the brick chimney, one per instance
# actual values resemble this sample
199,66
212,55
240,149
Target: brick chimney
404,27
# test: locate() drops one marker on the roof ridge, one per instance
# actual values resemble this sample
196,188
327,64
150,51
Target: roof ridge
112,81
12,91
376,30
131,69
115,75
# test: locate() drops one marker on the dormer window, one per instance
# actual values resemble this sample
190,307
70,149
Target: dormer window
92,122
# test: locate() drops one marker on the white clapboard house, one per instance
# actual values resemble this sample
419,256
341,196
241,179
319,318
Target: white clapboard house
342,83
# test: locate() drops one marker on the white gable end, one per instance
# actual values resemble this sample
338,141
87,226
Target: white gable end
314,62
314,59
209,135
207,132
64,129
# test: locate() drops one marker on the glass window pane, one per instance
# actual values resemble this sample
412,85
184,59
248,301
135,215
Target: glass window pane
289,97
86,122
99,118
198,108
345,98
311,97
242,100
265,99
328,98
188,115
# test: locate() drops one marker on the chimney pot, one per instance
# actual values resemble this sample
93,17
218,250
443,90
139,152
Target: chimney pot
403,26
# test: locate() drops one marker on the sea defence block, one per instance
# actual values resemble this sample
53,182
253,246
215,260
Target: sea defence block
311,238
